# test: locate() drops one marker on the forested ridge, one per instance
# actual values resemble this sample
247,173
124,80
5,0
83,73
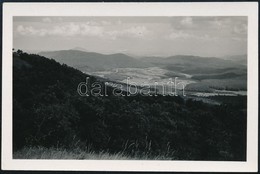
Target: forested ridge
48,112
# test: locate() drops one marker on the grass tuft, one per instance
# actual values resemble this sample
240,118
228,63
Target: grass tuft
60,153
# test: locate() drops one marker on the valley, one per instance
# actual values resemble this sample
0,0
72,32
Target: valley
200,77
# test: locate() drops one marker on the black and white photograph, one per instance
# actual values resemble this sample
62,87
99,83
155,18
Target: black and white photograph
155,88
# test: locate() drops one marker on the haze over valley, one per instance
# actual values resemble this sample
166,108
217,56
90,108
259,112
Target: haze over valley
202,76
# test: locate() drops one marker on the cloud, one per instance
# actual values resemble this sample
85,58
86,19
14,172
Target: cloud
119,22
29,30
217,23
208,28
83,29
134,32
70,29
73,29
178,34
106,23
137,31
221,23
48,20
240,29
187,21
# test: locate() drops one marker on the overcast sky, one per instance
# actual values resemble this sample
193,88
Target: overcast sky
164,36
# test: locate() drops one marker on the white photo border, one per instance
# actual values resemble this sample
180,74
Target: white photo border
249,9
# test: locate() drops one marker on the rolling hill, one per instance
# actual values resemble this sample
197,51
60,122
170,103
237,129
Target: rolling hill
90,61
195,64
241,59
210,72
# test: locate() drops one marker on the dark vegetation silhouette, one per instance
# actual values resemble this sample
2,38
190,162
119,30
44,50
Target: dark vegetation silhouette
48,112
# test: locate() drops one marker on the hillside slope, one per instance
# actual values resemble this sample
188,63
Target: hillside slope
48,112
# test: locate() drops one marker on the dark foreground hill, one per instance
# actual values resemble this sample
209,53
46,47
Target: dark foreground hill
48,112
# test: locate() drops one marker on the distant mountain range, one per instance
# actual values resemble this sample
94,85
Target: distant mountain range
200,68
90,61
195,64
241,59
188,59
